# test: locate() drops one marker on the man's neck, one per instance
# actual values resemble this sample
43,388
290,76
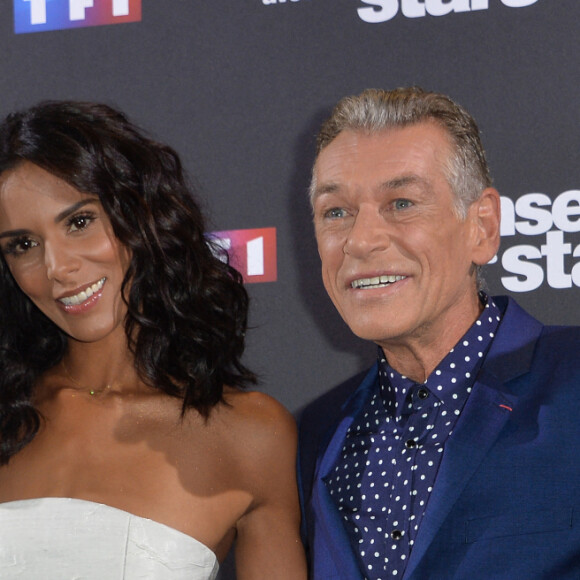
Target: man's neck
416,357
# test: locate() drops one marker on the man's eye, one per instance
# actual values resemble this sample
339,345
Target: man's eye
335,212
403,204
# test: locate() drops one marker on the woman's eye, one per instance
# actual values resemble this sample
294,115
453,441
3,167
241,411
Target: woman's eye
403,204
79,222
19,246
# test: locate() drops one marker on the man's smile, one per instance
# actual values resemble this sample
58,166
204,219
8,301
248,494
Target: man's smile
376,281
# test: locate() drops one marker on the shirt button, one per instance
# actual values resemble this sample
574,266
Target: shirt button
423,393
396,534
410,444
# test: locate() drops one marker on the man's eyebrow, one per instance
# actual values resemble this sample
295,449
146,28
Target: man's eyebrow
403,181
395,183
330,187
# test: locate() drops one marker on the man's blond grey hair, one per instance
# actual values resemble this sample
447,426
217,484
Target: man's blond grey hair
375,110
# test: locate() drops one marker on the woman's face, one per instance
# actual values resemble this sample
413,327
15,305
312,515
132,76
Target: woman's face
60,247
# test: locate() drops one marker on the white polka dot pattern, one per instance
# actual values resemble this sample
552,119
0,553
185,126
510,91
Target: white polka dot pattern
382,481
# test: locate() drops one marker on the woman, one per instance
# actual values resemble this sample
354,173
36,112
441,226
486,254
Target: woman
128,445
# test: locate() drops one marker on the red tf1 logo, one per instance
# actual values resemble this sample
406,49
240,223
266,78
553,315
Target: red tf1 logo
38,15
251,252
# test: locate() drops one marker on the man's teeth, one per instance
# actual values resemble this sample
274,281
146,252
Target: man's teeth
376,282
84,295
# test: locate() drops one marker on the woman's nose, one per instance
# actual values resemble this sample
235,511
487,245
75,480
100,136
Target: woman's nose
60,259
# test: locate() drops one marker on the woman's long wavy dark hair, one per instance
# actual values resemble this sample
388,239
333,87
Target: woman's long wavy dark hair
187,308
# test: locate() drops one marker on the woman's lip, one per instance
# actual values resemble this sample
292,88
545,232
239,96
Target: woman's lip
82,296
83,306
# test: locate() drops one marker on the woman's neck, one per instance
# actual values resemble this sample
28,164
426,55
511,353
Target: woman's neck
104,366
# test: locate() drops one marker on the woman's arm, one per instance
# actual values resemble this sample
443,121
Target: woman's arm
268,544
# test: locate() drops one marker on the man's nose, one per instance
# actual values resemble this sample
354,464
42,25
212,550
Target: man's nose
60,260
369,233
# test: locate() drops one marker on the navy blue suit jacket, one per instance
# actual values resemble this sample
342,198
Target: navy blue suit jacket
506,502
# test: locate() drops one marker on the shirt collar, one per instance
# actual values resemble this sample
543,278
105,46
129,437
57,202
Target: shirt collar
454,375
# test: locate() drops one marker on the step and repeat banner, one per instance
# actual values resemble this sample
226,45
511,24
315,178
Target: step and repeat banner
239,88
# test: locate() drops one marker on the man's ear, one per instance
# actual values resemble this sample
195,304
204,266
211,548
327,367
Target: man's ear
486,215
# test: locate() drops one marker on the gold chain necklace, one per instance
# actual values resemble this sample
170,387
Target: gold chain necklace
84,389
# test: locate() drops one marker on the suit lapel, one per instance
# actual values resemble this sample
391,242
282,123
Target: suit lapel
482,420
486,413
330,529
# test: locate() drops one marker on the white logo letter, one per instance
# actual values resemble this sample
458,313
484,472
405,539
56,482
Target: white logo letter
255,255
37,11
518,3
575,273
76,8
479,4
528,206
440,8
529,275
555,249
120,7
413,8
388,10
508,217
567,205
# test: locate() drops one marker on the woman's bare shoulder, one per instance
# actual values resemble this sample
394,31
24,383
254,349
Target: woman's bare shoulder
248,434
252,429
256,414
268,535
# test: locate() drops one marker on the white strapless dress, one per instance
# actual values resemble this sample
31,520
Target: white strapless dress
73,539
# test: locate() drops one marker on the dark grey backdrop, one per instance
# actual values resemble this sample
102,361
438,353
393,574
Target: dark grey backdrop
239,87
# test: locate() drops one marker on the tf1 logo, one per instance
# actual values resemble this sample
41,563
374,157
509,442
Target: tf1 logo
251,252
38,15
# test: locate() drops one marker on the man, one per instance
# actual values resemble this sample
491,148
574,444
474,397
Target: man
455,456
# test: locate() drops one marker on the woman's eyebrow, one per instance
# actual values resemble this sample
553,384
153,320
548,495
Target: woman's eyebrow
71,209
14,233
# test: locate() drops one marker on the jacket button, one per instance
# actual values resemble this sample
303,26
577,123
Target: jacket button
396,534
410,444
423,393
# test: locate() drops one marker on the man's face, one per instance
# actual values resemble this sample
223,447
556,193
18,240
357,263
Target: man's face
397,261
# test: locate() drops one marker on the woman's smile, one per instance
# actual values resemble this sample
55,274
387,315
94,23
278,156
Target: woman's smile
84,299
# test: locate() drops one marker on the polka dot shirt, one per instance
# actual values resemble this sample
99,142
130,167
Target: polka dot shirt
383,479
